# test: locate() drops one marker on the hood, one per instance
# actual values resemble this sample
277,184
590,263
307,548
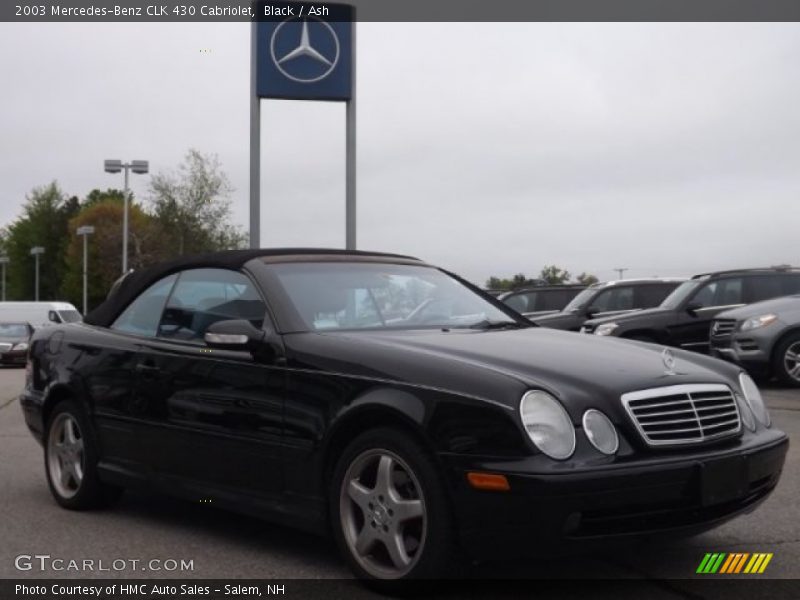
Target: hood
582,370
631,317
786,304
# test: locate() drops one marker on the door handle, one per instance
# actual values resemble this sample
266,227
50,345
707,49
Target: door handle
146,368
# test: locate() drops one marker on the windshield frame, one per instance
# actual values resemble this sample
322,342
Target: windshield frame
287,318
589,293
682,294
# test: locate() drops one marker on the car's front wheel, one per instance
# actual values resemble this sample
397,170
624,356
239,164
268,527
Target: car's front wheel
389,509
786,363
71,461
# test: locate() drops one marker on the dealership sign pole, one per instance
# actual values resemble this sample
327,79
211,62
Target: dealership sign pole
302,52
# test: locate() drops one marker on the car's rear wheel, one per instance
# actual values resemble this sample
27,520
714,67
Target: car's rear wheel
71,461
389,510
786,361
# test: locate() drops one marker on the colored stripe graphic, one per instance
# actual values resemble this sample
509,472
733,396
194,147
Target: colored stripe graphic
703,563
765,563
740,564
729,564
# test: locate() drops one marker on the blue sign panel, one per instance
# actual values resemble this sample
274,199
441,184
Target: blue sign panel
304,51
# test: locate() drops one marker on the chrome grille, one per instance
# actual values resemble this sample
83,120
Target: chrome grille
5,347
683,414
722,327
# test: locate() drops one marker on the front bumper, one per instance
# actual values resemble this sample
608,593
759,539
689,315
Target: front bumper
748,352
14,357
569,510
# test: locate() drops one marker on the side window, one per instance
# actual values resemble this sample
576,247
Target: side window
723,292
143,314
791,284
650,296
729,292
764,287
518,302
204,296
617,298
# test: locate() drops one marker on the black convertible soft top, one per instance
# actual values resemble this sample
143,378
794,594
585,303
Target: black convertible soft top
137,281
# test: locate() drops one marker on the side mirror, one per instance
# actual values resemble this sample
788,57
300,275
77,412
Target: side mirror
591,312
693,307
233,335
53,316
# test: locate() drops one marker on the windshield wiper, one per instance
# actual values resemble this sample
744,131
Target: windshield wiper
488,324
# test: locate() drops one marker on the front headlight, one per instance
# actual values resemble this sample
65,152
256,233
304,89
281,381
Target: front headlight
600,431
756,322
753,398
605,329
745,412
548,424
20,346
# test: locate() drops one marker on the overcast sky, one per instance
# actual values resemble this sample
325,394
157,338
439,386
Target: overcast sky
668,149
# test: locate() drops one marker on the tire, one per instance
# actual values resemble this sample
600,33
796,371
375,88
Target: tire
70,460
786,360
380,546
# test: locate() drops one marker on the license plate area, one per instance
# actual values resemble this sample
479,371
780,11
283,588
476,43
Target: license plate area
723,480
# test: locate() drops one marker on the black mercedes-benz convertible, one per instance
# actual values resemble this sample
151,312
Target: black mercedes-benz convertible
392,404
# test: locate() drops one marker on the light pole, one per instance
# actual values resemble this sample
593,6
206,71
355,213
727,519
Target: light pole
140,167
3,263
621,271
36,251
85,231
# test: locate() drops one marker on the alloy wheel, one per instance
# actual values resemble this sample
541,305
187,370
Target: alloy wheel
791,361
65,455
382,513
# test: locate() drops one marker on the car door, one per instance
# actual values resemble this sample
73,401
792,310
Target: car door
690,329
122,419
216,415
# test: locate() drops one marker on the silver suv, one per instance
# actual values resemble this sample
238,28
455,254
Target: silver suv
763,337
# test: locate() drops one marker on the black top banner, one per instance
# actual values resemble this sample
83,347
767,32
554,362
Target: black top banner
406,11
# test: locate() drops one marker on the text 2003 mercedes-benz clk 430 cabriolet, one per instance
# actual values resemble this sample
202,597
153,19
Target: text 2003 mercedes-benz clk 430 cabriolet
392,403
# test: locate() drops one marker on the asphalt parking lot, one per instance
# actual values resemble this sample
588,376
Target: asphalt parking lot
223,545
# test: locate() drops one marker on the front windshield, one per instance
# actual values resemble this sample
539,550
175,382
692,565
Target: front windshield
331,296
13,330
70,316
580,300
680,293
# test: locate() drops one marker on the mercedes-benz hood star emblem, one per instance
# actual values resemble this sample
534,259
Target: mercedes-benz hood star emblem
310,60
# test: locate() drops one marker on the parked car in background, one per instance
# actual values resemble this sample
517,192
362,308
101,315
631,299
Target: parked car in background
764,338
683,319
610,298
541,300
389,403
39,314
14,339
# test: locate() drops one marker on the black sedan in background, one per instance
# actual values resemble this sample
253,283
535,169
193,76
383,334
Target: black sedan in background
608,299
14,338
391,403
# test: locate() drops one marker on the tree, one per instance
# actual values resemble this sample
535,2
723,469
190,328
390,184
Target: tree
553,275
516,282
586,279
193,206
45,216
104,211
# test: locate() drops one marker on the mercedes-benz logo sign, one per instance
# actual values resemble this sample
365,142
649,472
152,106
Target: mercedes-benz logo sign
669,361
304,51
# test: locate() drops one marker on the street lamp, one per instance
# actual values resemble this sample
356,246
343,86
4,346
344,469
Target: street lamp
85,231
3,262
140,167
35,252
